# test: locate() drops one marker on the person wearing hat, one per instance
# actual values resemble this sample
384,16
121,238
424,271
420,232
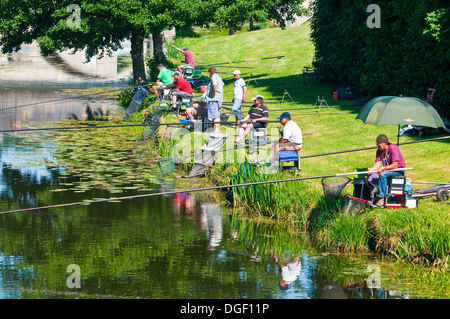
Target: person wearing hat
188,58
164,78
291,140
183,88
292,134
239,92
194,112
258,114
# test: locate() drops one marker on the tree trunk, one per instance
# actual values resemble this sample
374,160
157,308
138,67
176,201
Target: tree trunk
159,48
251,24
137,57
231,31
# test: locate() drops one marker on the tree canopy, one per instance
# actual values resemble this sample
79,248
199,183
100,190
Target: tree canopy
101,26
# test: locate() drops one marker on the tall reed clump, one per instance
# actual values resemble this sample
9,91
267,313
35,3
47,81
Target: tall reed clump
423,237
344,232
284,200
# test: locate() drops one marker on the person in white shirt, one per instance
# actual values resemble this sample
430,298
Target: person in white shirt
239,93
195,112
292,134
292,139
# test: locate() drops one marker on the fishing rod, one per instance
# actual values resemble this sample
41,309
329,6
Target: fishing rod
117,126
68,98
215,151
191,191
251,60
375,147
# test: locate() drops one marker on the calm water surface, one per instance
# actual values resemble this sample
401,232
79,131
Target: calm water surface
177,246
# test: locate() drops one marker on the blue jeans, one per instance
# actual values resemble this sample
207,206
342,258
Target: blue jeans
237,109
383,181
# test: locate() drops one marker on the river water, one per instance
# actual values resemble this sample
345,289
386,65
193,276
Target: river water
184,246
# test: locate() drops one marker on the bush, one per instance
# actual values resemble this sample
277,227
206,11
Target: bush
406,56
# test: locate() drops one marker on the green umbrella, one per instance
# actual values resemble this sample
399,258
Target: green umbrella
394,110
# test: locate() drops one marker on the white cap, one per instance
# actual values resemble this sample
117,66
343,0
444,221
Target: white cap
258,97
236,72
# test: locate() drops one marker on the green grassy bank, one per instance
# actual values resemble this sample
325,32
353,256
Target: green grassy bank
419,234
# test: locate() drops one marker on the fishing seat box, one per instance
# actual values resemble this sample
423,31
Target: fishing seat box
290,156
396,192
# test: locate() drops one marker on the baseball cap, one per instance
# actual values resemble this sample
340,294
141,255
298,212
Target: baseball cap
185,49
202,83
177,73
260,97
236,72
284,115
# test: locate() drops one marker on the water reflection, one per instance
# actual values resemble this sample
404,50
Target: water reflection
176,246
19,106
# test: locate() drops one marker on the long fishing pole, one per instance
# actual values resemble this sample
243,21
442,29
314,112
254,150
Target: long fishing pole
67,98
251,60
375,147
82,127
215,151
114,126
191,191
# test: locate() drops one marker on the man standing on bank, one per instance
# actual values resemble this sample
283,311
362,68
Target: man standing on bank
214,98
239,93
387,158
188,58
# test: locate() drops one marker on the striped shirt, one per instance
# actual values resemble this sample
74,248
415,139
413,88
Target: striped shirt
215,80
258,112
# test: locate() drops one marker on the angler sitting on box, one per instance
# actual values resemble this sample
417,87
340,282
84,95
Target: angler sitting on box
292,139
390,156
194,112
183,89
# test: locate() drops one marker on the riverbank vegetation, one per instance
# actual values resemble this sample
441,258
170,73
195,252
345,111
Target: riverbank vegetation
420,235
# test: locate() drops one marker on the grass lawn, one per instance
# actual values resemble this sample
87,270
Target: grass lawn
326,133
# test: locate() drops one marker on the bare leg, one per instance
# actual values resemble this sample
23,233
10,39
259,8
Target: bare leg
216,126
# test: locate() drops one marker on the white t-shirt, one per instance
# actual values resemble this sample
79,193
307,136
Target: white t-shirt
238,90
293,133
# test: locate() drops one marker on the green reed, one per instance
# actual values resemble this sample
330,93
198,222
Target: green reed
285,200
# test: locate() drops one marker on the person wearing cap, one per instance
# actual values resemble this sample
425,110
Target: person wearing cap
164,79
292,134
183,89
239,93
258,114
194,112
214,97
188,58
291,140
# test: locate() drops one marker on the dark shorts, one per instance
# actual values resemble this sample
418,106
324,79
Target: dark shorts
259,124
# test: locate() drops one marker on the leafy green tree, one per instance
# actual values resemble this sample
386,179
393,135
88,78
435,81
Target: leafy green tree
101,26
234,13
98,27
405,56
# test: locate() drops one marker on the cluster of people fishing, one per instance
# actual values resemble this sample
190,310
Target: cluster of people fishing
173,83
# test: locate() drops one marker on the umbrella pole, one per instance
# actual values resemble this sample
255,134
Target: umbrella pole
398,135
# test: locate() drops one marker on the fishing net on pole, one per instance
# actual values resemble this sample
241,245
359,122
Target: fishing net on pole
152,122
207,156
136,101
166,165
354,205
333,186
